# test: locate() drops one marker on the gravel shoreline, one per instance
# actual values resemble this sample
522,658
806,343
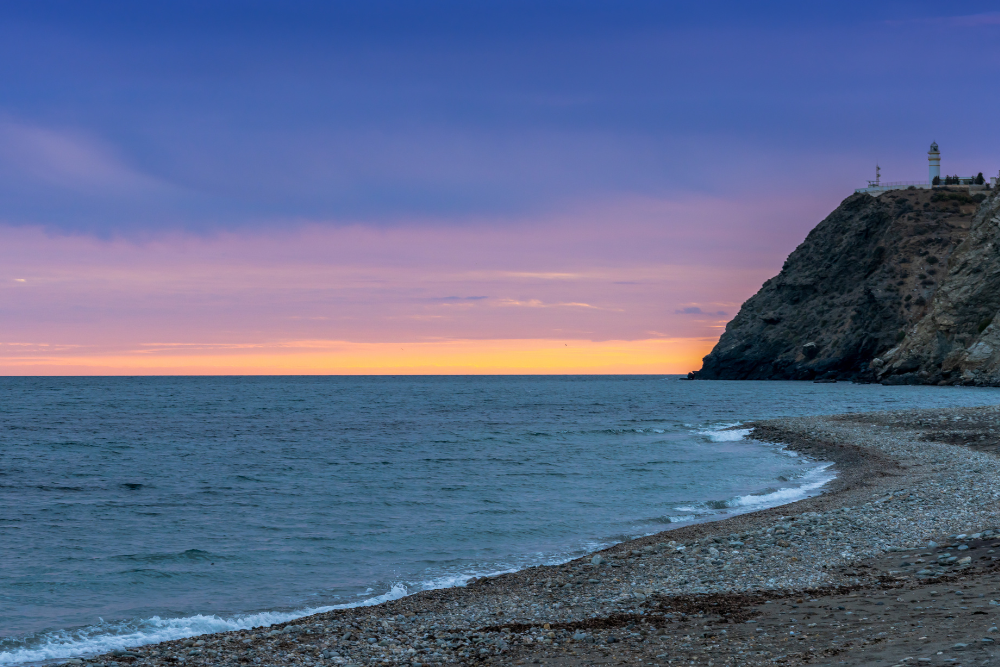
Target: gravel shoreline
897,488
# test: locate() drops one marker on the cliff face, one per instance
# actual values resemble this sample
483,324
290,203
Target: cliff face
862,279
957,339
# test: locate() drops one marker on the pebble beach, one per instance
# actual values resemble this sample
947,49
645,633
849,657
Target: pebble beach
918,484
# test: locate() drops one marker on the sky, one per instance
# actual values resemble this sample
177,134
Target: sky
395,187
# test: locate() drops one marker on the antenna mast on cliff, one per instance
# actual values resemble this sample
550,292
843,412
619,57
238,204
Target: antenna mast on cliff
878,173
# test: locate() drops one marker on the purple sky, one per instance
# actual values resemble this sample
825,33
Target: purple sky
262,173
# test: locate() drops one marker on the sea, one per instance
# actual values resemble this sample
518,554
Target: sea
138,510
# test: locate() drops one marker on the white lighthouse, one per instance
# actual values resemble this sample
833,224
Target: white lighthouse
934,160
975,183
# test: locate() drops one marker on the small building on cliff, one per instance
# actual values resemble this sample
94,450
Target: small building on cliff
934,179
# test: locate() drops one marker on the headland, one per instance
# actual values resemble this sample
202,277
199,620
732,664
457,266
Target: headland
900,288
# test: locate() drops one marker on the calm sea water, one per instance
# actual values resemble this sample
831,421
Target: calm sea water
142,509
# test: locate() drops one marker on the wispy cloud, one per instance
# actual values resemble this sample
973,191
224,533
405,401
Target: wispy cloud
29,348
248,293
68,160
537,303
695,310
547,275
974,20
965,21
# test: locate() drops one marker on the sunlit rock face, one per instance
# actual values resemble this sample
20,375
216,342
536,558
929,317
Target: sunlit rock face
855,293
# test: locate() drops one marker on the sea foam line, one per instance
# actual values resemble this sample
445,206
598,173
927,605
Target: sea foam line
817,477
105,637
728,435
812,480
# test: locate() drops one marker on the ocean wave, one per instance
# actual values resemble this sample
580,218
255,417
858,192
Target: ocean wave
110,636
811,481
104,637
183,556
728,435
683,518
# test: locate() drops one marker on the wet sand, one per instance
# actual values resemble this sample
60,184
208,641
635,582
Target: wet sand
895,560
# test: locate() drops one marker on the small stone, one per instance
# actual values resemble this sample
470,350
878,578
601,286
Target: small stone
598,560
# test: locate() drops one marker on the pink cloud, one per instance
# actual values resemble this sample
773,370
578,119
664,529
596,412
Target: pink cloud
615,271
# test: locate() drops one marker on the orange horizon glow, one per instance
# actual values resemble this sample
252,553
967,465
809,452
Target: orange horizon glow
624,288
460,357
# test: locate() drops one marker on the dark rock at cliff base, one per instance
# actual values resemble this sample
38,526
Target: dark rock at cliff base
861,280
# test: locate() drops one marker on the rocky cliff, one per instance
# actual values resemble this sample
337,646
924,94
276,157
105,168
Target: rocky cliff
856,300
957,338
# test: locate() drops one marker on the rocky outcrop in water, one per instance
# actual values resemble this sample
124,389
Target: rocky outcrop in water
860,289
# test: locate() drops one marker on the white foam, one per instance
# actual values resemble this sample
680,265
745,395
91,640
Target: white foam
397,591
726,436
812,480
105,637
682,518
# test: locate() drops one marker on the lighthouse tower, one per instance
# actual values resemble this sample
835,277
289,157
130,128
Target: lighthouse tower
934,159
